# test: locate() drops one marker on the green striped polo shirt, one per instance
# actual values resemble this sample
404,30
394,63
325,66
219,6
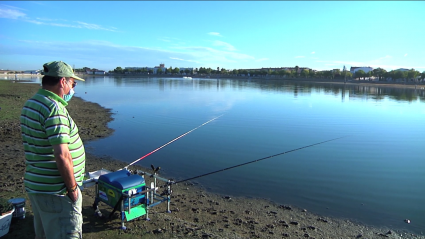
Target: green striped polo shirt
46,122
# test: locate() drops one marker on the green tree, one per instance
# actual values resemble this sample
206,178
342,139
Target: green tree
118,70
412,74
304,73
296,71
176,70
359,74
423,75
311,73
400,74
379,72
336,73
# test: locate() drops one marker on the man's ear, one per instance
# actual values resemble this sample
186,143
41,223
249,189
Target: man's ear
62,82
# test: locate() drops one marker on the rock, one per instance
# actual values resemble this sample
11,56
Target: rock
285,207
294,223
195,210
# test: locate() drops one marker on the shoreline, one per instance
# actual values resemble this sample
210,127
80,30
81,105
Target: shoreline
196,213
413,85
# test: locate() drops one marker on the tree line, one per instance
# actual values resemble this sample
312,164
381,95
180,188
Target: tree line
379,73
382,74
146,70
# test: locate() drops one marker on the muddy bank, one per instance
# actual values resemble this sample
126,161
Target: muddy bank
196,213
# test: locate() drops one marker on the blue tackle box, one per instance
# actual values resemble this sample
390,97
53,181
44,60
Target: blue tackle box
112,186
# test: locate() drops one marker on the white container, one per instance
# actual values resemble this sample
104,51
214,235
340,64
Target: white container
5,221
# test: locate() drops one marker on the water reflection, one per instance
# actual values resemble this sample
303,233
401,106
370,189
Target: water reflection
365,92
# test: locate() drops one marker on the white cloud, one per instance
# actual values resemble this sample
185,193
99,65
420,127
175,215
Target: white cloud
313,52
179,59
405,54
107,55
10,12
299,56
225,45
214,34
352,63
385,57
208,55
16,13
262,59
372,64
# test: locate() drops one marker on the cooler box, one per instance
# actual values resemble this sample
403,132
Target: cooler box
112,186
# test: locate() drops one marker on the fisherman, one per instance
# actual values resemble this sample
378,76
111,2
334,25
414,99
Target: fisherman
55,156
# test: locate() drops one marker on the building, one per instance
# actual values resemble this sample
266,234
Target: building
160,68
95,72
276,69
403,69
35,72
366,69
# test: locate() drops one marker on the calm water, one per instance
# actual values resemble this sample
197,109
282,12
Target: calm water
375,175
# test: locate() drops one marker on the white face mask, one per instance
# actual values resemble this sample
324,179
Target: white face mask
68,96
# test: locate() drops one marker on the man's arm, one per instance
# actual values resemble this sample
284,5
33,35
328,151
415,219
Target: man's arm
66,168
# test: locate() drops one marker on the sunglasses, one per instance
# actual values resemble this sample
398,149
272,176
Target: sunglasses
74,84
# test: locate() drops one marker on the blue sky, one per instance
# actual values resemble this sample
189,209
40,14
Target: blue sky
231,35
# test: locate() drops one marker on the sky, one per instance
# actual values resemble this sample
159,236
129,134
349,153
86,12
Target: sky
231,35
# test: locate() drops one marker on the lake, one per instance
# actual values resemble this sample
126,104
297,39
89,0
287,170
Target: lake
375,174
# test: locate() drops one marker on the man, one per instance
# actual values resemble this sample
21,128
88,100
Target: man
55,156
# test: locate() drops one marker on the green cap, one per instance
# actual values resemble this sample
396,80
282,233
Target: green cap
60,69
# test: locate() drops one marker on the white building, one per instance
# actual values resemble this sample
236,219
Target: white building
402,69
366,69
95,72
35,72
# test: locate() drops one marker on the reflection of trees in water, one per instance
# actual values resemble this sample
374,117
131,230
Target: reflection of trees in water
296,88
355,91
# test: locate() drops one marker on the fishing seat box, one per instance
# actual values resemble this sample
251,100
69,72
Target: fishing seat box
112,186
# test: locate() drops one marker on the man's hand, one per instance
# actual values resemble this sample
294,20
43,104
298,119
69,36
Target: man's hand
66,168
73,195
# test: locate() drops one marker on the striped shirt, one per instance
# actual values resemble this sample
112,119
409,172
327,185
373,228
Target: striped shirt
46,122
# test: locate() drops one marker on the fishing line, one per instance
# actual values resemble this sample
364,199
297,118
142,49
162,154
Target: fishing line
257,160
172,141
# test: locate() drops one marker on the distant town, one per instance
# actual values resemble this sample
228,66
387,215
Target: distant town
358,73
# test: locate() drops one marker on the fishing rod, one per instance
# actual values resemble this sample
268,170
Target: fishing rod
257,160
172,141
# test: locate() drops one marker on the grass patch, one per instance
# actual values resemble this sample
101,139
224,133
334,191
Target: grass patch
13,97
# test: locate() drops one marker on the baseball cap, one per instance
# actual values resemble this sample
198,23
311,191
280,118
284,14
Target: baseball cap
60,69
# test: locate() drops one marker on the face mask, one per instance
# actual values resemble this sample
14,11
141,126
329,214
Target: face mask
68,96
